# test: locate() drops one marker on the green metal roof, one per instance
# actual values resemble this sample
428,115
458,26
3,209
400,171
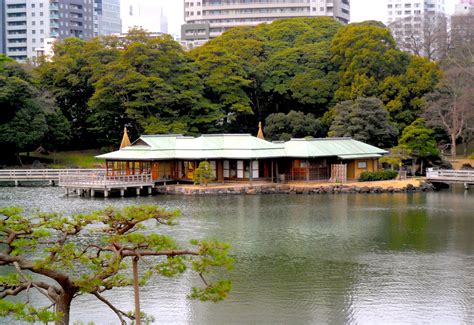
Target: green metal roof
211,146
239,146
330,147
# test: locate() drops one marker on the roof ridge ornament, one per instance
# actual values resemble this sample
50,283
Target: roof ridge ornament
125,139
260,131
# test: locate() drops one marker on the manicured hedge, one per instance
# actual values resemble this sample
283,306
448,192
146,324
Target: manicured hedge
378,176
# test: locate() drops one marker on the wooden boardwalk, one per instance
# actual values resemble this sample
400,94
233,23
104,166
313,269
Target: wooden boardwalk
52,176
80,181
465,177
93,182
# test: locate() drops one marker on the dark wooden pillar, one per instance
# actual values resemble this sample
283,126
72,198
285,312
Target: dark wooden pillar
272,171
250,172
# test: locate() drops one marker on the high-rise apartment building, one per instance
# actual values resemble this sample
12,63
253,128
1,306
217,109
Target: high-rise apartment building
2,26
107,17
464,7
28,23
400,9
206,19
462,28
419,26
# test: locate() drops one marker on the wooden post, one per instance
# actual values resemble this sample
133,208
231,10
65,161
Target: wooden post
276,171
250,172
136,290
307,171
271,173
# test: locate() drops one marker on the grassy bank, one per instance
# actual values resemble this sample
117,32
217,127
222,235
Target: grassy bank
66,159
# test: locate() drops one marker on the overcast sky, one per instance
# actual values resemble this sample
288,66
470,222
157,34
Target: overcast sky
173,9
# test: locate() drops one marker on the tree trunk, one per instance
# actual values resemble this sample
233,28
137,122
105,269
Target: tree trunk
63,306
453,146
136,291
18,157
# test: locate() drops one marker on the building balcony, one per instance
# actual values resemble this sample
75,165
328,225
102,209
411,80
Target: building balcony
20,18
255,5
17,28
259,15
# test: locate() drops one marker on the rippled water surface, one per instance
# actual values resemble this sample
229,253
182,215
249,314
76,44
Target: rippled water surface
368,259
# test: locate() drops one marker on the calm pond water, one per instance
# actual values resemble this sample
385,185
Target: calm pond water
361,259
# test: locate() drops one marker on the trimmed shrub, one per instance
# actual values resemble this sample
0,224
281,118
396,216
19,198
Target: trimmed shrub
467,167
381,175
203,174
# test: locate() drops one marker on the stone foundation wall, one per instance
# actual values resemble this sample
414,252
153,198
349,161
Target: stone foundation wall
289,189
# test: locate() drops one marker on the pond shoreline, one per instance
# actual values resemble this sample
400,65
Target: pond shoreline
407,186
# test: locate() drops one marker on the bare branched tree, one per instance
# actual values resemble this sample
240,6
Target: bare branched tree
451,105
424,35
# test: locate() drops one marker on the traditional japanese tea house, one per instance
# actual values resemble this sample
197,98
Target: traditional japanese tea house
243,157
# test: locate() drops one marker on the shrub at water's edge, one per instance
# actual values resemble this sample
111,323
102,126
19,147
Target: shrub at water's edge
381,175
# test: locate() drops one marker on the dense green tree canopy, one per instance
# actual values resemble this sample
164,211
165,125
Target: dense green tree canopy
364,119
22,119
283,127
70,77
234,81
419,140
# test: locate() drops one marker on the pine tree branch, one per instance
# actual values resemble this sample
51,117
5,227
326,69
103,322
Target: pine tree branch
118,312
38,285
134,252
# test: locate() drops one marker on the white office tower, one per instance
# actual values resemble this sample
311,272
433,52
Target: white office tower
130,13
206,19
464,7
28,23
419,26
163,23
107,17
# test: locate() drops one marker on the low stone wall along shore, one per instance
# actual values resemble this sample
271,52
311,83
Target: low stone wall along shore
293,189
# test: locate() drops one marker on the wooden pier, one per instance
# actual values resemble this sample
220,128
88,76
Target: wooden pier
465,177
17,176
81,181
94,182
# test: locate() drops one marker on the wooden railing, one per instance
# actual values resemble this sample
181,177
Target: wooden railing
42,174
462,176
308,174
101,180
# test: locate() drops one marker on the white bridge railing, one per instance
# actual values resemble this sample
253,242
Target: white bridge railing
465,176
101,180
42,174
